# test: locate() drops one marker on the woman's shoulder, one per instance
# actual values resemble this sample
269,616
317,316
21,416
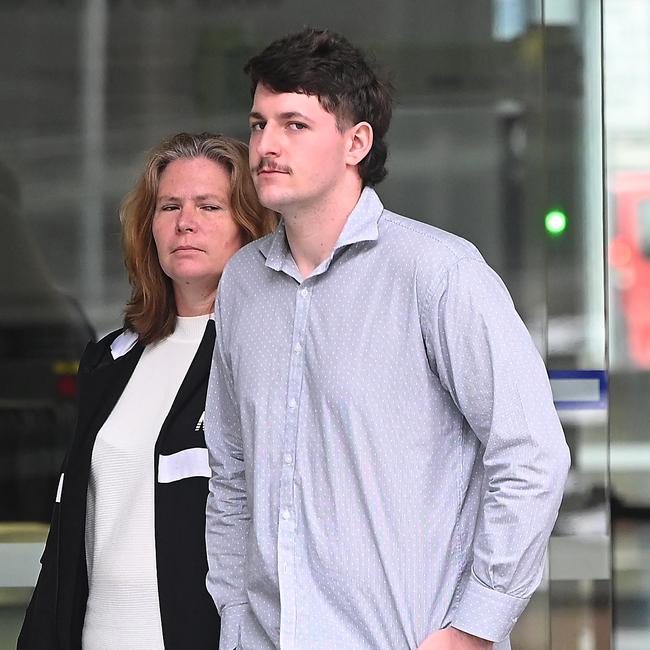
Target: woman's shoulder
121,341
112,346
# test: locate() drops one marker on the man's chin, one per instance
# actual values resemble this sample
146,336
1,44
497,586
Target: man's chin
272,200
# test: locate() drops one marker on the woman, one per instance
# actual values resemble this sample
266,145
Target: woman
125,561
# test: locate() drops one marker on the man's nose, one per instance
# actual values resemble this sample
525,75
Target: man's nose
267,142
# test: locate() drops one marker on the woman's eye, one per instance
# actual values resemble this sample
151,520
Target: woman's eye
168,208
211,208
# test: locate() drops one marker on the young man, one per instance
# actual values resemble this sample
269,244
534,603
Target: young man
387,462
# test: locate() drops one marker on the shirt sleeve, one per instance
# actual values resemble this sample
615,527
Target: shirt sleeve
227,514
484,356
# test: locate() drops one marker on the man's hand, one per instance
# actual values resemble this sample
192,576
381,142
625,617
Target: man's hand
452,639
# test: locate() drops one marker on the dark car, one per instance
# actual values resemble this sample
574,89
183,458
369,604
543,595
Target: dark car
42,335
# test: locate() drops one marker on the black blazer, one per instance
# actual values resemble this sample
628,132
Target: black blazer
55,616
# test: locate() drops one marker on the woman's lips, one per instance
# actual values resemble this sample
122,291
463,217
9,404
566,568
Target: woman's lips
185,248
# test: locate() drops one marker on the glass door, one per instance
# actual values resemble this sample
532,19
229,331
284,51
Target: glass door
626,25
497,136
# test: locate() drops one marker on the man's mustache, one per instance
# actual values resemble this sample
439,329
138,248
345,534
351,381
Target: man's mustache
266,165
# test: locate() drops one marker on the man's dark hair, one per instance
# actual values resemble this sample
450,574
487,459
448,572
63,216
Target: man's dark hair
325,64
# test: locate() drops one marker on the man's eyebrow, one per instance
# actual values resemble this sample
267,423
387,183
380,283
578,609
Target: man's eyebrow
287,115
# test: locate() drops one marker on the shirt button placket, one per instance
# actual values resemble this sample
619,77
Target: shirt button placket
287,522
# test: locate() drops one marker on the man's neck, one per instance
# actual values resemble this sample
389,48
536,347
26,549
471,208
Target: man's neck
312,233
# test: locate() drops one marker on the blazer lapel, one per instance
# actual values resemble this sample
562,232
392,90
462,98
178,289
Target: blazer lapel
195,378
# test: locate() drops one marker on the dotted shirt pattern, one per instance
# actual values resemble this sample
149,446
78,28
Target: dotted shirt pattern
386,457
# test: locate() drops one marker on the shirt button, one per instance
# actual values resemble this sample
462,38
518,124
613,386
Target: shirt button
292,403
288,459
304,291
297,348
286,515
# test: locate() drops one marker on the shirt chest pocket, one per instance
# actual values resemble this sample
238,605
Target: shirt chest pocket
183,464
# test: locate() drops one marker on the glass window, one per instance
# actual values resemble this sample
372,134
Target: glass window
497,123
626,26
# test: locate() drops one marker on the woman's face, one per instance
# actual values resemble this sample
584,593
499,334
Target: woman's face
193,226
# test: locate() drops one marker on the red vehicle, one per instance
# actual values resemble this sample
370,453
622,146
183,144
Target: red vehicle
629,255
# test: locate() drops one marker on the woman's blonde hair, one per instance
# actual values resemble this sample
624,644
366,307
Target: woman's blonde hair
151,310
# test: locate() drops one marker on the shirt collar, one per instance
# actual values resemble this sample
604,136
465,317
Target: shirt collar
361,225
123,343
275,248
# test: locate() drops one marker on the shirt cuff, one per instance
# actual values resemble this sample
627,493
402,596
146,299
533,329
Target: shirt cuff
487,613
230,623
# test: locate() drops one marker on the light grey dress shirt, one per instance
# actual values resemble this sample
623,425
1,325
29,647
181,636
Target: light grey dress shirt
385,452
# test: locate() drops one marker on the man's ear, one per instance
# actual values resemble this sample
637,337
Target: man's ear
359,143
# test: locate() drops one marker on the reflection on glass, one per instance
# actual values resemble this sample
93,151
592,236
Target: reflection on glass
627,127
497,124
42,335
575,302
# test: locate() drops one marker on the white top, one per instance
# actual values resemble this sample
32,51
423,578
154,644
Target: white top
123,609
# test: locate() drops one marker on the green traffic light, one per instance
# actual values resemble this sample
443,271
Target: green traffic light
555,222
